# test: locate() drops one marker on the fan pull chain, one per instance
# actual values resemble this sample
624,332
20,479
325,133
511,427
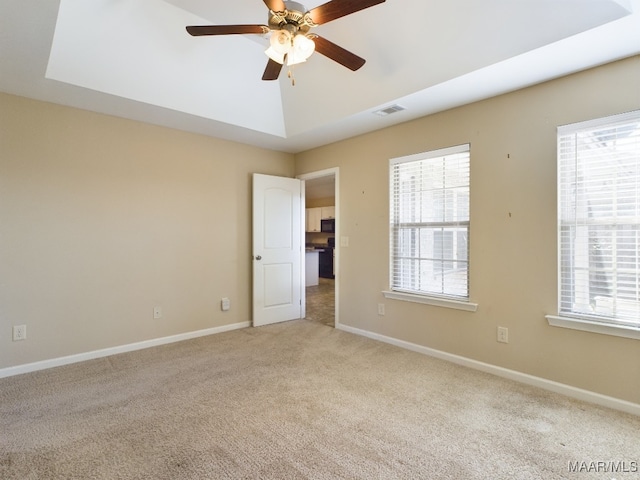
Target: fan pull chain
290,75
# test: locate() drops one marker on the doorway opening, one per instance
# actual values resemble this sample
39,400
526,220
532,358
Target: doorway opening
322,251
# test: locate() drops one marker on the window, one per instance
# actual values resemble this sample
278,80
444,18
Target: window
430,223
599,220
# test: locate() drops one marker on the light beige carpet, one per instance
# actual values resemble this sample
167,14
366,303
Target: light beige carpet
299,400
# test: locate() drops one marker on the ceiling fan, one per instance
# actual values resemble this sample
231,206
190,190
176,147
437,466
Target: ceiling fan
291,41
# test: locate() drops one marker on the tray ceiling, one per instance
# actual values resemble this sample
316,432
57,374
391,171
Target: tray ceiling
134,59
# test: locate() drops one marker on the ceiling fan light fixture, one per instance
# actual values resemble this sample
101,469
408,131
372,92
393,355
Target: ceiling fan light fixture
294,59
295,48
274,55
303,45
290,41
301,49
281,41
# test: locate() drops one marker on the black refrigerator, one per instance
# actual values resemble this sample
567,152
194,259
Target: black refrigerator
325,267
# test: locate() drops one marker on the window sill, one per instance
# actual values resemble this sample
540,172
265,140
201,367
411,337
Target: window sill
438,302
594,327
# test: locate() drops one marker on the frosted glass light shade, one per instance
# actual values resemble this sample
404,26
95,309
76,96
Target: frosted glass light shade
296,49
281,41
275,56
301,49
304,45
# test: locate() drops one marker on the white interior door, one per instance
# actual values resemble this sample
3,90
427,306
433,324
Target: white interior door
278,249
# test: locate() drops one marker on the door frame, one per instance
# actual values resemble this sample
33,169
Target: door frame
335,172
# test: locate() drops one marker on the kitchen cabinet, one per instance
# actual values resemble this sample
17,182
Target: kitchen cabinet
328,212
314,215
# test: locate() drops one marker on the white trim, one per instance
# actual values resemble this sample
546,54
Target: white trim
594,327
81,357
568,390
335,171
441,152
436,301
571,214
404,172
624,117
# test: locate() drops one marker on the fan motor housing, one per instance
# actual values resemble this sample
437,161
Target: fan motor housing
295,15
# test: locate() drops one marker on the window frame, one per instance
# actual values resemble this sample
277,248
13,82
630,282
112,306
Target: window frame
429,297
570,317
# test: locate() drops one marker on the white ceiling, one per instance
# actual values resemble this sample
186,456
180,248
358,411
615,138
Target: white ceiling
134,59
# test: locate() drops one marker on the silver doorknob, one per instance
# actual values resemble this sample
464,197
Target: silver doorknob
258,257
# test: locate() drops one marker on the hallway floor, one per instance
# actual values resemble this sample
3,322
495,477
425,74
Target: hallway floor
321,302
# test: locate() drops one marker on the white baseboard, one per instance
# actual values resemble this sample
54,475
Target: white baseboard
568,390
81,357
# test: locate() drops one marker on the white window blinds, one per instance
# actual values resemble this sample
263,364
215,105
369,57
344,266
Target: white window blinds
599,219
430,223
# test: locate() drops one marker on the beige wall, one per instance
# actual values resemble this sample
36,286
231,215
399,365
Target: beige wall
513,231
321,202
101,219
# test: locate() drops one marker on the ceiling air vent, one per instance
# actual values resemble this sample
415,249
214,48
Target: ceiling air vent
389,110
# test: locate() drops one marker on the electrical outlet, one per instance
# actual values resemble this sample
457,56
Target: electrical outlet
381,309
19,332
225,304
157,312
503,335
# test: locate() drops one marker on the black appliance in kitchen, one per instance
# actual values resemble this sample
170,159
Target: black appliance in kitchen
328,225
326,259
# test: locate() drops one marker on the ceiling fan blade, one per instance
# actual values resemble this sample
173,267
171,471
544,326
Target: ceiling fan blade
338,54
197,30
339,8
275,5
272,72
